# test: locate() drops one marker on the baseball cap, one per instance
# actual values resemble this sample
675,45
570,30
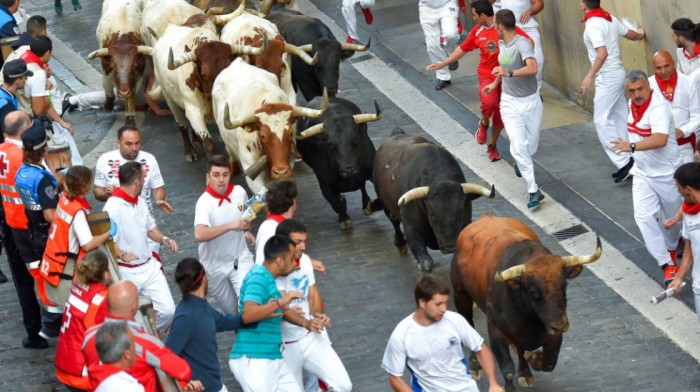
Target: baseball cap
35,137
15,69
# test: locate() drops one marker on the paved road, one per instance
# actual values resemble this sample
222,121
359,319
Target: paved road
610,346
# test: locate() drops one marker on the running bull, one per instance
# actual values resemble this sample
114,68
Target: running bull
521,286
340,152
422,186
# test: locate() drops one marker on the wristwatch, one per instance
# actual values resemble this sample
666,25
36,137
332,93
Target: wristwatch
633,146
510,73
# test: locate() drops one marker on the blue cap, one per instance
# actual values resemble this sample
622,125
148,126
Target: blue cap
34,138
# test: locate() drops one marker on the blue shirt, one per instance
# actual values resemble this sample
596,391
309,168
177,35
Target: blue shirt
8,24
265,340
193,337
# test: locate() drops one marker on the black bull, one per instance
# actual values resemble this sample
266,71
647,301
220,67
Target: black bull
312,36
340,152
422,186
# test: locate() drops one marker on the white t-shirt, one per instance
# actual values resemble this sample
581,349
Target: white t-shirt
599,32
685,65
265,232
691,231
134,223
433,354
120,382
230,245
658,118
518,7
685,105
107,173
79,234
35,87
496,6
300,280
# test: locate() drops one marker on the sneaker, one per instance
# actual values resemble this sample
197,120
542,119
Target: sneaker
34,342
460,28
66,105
349,40
453,66
670,271
624,172
369,18
674,256
3,278
535,199
441,84
48,335
76,5
58,7
517,171
481,132
493,153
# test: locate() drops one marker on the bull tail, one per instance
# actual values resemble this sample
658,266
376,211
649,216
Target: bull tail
397,131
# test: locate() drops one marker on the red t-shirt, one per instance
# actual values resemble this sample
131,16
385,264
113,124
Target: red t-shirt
486,40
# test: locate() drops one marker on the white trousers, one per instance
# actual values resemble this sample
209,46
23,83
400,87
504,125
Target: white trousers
522,118
149,280
534,33
655,200
610,113
687,154
315,354
263,375
696,293
90,100
225,283
62,135
436,23
348,9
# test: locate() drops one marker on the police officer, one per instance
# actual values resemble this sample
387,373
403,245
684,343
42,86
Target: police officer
38,190
14,75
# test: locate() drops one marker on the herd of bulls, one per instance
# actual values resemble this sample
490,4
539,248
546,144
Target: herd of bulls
240,68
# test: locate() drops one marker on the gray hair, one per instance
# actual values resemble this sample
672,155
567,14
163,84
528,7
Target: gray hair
111,341
635,75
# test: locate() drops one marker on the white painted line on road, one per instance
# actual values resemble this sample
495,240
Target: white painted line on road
672,317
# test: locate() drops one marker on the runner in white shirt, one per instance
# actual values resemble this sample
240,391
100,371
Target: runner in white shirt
430,342
281,198
303,348
686,35
221,230
524,11
652,140
680,93
688,182
115,346
136,261
129,150
601,37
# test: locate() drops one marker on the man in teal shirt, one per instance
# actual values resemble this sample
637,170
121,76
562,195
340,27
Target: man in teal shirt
256,359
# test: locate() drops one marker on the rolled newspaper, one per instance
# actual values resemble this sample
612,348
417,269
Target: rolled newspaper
629,23
664,294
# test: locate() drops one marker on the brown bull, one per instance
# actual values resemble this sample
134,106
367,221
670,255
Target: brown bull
521,286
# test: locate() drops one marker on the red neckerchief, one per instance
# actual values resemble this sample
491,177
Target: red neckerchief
695,53
668,86
221,198
691,209
84,203
30,57
118,192
276,217
597,13
297,266
638,111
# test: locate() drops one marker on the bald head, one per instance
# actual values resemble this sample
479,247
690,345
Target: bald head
15,123
664,66
123,299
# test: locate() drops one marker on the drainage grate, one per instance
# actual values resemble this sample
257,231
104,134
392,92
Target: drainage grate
570,232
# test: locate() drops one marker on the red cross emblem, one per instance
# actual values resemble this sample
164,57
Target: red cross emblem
4,165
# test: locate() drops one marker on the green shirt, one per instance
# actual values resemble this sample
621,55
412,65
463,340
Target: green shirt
265,340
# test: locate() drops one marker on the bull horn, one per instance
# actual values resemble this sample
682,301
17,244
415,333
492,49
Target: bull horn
510,273
311,131
185,58
251,50
142,49
295,50
233,125
221,19
367,117
254,170
267,6
479,190
215,10
356,47
571,261
415,193
306,48
98,53
152,32
255,12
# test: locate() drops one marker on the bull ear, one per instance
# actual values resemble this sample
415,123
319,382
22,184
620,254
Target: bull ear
572,272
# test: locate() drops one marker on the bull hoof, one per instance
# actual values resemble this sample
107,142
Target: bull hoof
402,250
191,156
532,355
425,266
346,224
368,208
526,382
